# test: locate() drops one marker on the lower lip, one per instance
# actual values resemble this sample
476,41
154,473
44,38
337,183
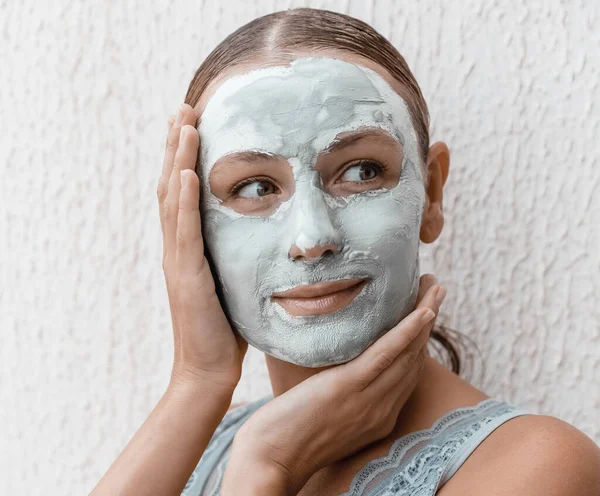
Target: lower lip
320,305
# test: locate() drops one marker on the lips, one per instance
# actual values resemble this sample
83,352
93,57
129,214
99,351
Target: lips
320,298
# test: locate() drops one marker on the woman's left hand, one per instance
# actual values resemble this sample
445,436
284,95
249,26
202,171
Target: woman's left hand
334,413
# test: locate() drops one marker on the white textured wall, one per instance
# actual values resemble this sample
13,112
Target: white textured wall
85,92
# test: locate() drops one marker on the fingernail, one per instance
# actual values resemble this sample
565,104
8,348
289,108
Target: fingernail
440,295
179,116
427,317
182,133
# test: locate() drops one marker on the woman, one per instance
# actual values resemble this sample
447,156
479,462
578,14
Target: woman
318,182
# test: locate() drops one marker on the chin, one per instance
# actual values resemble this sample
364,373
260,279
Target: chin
321,342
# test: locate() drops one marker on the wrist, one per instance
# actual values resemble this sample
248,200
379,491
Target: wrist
249,476
209,392
252,463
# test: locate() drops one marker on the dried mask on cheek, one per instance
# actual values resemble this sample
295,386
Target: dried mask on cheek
294,113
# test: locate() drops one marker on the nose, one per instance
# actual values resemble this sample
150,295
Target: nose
313,234
313,253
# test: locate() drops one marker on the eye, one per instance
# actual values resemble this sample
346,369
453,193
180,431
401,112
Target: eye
362,171
256,189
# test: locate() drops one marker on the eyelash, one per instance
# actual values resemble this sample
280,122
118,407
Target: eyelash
234,191
381,168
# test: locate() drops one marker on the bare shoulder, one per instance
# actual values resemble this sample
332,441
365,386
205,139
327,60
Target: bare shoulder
530,455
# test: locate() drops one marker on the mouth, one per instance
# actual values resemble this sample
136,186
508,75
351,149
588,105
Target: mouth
320,298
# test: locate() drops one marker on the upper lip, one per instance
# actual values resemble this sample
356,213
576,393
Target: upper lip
319,289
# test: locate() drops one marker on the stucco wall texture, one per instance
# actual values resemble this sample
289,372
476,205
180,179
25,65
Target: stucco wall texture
86,89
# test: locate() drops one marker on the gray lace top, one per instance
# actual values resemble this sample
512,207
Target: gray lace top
417,464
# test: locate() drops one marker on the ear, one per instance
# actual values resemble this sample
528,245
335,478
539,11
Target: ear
438,165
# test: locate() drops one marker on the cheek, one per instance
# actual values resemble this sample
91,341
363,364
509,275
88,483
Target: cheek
385,227
239,246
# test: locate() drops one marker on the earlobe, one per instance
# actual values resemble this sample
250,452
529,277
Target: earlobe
433,223
438,165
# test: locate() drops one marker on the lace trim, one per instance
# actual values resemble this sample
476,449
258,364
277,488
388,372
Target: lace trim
422,470
426,466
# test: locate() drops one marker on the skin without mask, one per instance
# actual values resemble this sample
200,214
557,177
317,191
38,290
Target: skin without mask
294,113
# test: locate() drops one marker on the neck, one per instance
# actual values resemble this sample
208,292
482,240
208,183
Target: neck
284,376
437,391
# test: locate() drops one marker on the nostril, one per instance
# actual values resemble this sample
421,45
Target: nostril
328,253
315,253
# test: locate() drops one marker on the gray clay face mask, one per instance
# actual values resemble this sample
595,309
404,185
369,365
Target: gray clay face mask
295,113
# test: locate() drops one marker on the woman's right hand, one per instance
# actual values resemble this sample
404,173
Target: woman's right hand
207,351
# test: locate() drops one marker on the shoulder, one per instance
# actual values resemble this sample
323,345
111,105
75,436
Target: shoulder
531,455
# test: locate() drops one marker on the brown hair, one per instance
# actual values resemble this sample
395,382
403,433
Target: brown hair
284,32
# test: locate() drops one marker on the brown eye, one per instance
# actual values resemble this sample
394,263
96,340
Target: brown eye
257,189
363,171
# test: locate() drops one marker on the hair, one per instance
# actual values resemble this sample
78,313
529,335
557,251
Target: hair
285,32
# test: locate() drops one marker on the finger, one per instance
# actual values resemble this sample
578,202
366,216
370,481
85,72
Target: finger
186,115
190,249
174,127
161,190
412,357
407,365
185,158
381,354
433,299
426,281
409,383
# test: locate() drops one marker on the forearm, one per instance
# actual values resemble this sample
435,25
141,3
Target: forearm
251,478
163,453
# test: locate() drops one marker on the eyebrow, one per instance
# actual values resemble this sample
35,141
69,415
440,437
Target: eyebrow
253,156
247,157
347,141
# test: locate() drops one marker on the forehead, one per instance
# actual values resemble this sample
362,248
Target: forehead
285,60
287,108
309,91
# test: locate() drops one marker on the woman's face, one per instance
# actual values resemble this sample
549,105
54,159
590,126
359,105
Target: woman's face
311,204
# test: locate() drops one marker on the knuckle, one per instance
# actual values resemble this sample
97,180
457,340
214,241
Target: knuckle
382,361
167,210
421,357
379,426
387,425
360,383
181,239
420,363
412,358
171,143
161,190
